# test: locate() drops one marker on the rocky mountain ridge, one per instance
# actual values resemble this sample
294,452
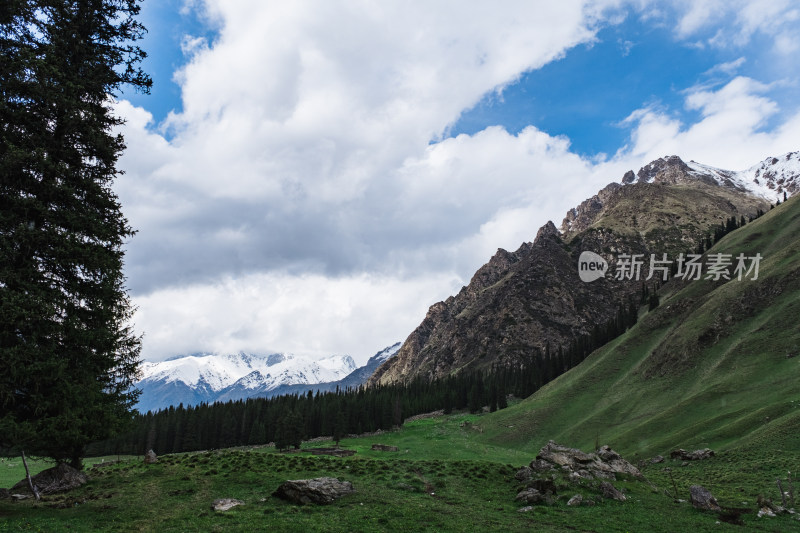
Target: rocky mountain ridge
532,300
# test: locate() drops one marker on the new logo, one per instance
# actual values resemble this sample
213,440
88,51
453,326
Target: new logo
591,266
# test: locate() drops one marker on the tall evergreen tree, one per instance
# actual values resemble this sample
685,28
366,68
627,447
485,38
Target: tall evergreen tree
68,356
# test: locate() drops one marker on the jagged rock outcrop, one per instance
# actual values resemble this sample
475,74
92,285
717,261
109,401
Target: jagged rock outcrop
522,302
605,463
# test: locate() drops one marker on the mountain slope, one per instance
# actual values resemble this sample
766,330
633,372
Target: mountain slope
524,301
716,365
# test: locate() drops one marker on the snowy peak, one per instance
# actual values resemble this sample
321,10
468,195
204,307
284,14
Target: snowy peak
219,371
769,179
385,354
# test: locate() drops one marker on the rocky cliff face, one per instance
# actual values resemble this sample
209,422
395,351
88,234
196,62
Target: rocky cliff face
523,301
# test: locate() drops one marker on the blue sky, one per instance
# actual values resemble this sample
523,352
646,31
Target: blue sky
311,176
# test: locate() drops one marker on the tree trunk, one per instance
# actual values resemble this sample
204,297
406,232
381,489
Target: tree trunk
33,488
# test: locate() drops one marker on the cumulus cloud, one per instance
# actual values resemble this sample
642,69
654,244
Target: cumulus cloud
731,132
304,198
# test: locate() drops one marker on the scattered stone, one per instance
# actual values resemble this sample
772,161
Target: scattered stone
610,492
225,504
319,490
150,457
701,498
575,500
524,474
697,455
525,509
385,448
59,478
534,496
603,464
766,511
657,459
20,496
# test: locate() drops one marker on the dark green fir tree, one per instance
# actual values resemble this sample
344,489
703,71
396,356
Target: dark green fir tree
68,355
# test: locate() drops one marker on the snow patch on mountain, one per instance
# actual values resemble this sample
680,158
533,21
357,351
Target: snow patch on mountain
768,179
219,371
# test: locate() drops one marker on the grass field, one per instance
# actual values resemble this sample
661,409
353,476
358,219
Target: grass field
470,492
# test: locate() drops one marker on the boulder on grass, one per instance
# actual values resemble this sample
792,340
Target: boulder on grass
319,490
150,457
701,498
225,504
60,478
611,492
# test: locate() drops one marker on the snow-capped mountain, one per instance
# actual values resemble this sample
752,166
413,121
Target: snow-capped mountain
208,378
195,379
769,179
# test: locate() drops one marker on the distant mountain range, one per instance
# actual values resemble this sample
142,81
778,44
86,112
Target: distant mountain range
208,378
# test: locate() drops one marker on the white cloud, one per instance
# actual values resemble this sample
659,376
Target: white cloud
308,315
300,203
737,22
730,134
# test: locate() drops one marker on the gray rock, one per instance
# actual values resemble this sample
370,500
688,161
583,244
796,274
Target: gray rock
59,478
530,496
150,457
524,474
603,464
657,459
525,509
319,490
575,500
224,504
610,492
701,498
697,455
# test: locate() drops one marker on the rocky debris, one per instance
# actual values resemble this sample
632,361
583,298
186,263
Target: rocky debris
534,496
225,504
657,459
543,485
575,500
702,498
321,490
603,464
766,511
150,457
525,509
610,492
524,474
59,478
385,448
697,455
19,497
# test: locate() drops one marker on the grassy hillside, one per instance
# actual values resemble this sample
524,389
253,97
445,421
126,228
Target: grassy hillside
716,365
